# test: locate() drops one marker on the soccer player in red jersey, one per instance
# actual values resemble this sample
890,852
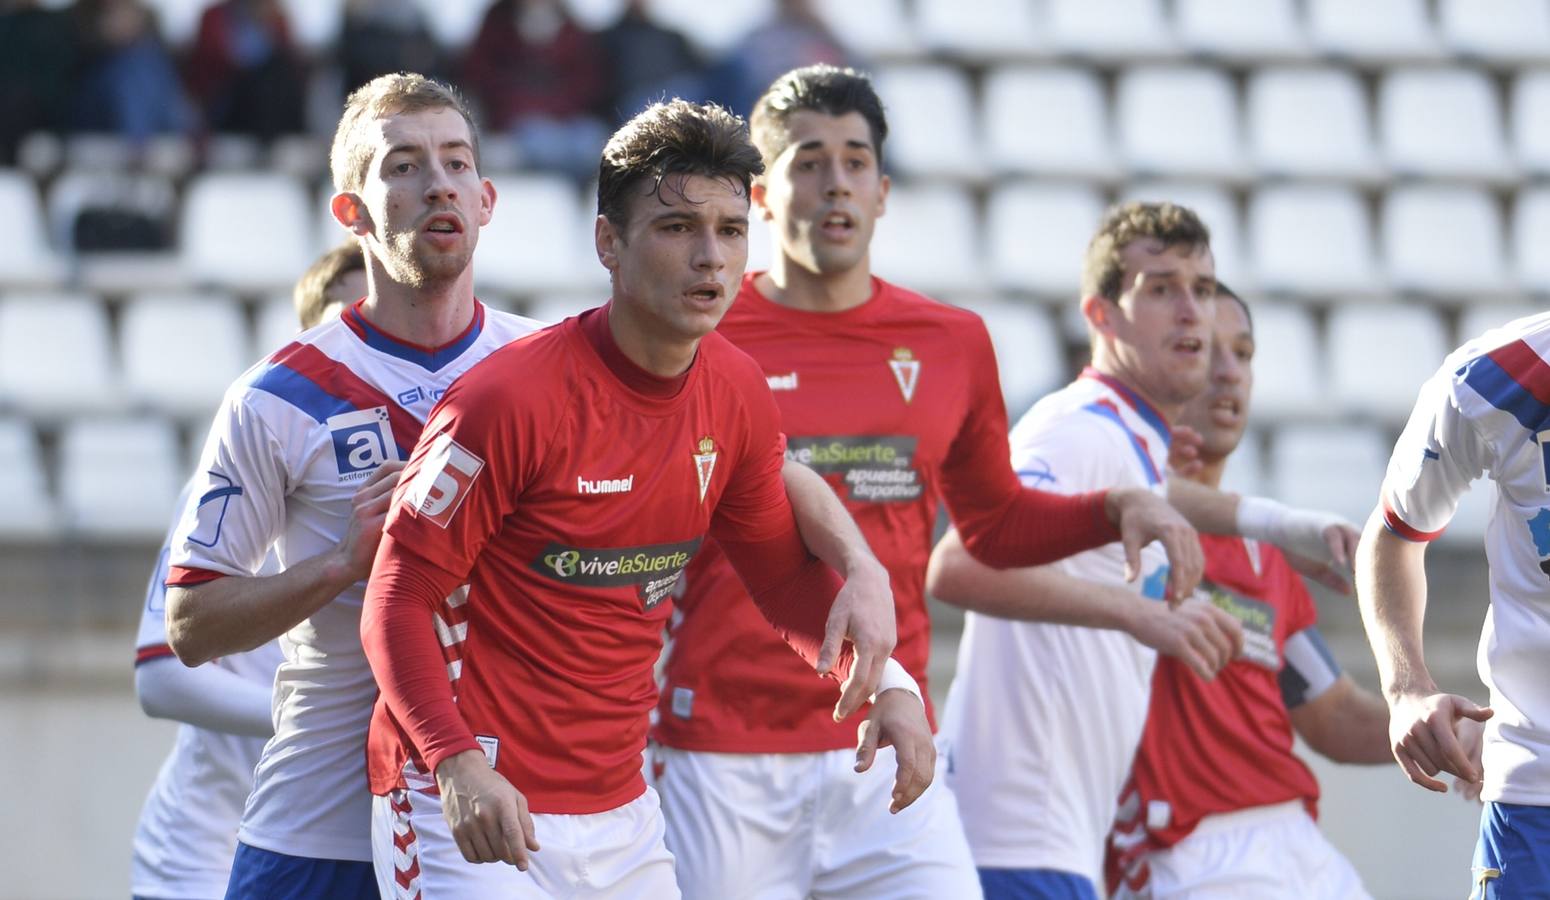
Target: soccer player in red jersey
567,481
1243,825
895,399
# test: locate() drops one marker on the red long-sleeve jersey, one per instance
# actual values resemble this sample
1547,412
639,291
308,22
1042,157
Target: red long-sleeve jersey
568,489
897,403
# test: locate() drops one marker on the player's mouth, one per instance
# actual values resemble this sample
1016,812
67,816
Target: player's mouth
706,293
1226,411
837,225
1190,346
443,223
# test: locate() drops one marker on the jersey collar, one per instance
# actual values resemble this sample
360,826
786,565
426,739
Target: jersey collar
1135,401
432,359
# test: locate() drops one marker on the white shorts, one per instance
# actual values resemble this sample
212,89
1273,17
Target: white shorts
774,826
1264,853
613,854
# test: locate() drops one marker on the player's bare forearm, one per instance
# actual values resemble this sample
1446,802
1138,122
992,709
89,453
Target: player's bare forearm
1347,723
1391,592
1208,509
826,527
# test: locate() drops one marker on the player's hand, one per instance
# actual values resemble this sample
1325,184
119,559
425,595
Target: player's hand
1184,452
488,817
368,513
863,613
1329,574
898,719
1424,738
1197,633
1471,735
1309,532
1143,517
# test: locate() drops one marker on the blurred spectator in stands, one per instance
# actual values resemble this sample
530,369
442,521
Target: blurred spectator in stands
793,37
37,57
379,37
126,83
541,78
244,70
649,62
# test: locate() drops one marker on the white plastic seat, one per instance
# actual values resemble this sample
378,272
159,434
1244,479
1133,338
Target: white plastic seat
552,308
1217,210
35,330
1499,31
1531,239
715,27
118,478
931,129
25,257
1310,123
984,29
454,23
1372,30
1240,29
1020,105
1038,233
1179,121
275,327
536,239
181,352
873,28
1380,355
178,20
1531,121
246,231
1477,319
1288,362
1029,354
314,24
29,512
1311,239
929,240
1329,467
1442,122
1443,240
1109,29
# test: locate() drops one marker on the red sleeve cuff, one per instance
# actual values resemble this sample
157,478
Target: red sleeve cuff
181,576
1399,528
153,651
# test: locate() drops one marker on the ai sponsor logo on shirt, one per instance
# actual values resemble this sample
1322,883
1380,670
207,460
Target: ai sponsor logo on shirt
441,485
906,371
363,440
705,464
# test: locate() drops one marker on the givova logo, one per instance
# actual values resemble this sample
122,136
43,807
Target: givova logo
654,570
443,481
363,440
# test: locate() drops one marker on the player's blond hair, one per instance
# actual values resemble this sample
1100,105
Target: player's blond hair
1103,268
311,292
387,95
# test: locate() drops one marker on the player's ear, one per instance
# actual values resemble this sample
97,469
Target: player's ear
757,195
608,239
486,201
882,195
1098,312
350,211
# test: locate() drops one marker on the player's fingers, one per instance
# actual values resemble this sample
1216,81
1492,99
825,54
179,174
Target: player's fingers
1450,755
851,696
1213,654
1197,663
1413,771
866,744
480,848
1470,711
1423,749
1232,629
1132,545
834,634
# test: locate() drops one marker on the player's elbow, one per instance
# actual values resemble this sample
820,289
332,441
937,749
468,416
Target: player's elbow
948,570
186,633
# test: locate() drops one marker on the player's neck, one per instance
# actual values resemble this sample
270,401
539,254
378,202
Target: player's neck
795,287
666,356
1169,412
1211,470
429,316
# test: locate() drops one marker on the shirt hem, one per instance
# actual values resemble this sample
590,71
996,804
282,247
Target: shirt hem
308,847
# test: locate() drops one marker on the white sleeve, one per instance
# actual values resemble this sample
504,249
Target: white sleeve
1437,456
151,639
236,509
206,696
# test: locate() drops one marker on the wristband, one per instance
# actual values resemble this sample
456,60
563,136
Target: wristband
895,676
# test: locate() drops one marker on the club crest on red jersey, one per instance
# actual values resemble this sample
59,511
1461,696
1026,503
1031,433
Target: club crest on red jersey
906,371
441,485
705,464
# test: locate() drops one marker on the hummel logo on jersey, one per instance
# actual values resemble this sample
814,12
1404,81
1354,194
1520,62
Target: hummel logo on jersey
442,484
705,464
363,440
906,371
786,382
605,485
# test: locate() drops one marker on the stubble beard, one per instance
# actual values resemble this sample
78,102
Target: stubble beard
410,265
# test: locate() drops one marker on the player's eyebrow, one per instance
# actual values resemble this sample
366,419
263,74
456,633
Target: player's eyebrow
455,144
852,143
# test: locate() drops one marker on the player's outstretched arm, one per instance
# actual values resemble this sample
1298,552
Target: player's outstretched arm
1312,534
204,696
1391,591
233,614
1198,633
1346,723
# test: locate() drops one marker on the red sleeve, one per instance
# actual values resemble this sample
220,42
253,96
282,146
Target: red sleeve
1003,523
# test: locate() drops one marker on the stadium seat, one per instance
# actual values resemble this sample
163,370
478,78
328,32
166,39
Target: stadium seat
1531,121
1019,105
1439,239
34,377
1122,30
28,513
1311,239
1029,354
1038,232
931,129
275,326
1382,385
1289,362
929,240
454,22
178,19
1531,239
127,212
25,257
1217,209
1255,30
1477,319
248,231
314,24
714,27
552,308
537,240
118,478
181,352
1179,121
876,29
1372,31
979,31
1499,31
1245,472
1280,104
1442,123
1331,467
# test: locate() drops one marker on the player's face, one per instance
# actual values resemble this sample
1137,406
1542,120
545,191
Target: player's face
822,196
1160,329
424,200
677,261
1221,412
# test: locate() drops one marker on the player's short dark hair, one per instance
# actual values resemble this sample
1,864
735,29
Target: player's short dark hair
1103,268
821,88
311,292
670,138
1223,290
388,95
